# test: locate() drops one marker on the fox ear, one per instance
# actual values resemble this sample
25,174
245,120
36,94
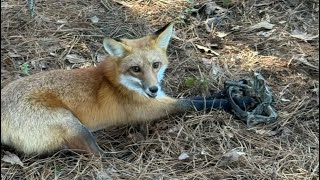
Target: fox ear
113,47
163,35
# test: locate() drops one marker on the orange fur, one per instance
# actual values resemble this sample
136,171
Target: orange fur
61,107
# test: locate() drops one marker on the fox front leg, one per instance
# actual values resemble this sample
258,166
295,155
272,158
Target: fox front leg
221,101
161,107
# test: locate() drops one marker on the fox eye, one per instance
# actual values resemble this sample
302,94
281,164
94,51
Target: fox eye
135,69
156,65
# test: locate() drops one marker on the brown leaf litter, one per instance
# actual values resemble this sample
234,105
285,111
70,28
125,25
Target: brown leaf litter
258,35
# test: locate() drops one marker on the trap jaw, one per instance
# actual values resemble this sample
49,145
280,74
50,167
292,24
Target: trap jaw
257,89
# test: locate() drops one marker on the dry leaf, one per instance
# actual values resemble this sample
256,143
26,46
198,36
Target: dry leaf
285,100
100,57
261,25
216,71
107,174
12,159
303,35
174,129
174,36
236,28
38,64
222,34
53,54
232,156
211,22
266,132
301,58
74,58
213,8
54,48
86,65
285,132
62,21
136,137
13,55
207,50
5,5
282,132
227,132
204,152
183,156
207,61
102,175
94,19
265,34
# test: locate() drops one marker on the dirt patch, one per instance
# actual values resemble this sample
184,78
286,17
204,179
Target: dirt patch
277,38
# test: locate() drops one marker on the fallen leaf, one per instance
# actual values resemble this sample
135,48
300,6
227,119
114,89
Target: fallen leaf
227,132
262,4
303,35
213,8
232,156
5,5
216,71
136,137
212,22
222,34
74,58
64,44
12,159
124,3
161,125
285,100
173,130
285,132
301,58
53,54
38,64
174,36
94,19
84,48
207,61
214,43
13,55
183,156
54,48
265,34
107,174
100,57
85,65
282,132
102,175
266,132
207,50
261,25
62,21
236,28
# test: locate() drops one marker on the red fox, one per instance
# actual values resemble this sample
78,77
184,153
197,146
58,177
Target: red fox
59,109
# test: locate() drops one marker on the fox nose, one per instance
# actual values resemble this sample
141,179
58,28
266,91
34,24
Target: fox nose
153,89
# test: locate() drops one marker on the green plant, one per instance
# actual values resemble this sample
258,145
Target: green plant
25,68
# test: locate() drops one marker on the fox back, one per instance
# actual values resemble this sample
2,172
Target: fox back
59,109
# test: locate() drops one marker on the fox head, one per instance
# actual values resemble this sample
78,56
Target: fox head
141,63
